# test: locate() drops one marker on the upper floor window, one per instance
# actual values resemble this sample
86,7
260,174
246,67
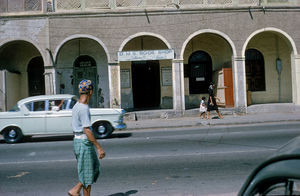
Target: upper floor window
255,70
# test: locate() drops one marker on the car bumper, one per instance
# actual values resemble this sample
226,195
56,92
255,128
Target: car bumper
120,126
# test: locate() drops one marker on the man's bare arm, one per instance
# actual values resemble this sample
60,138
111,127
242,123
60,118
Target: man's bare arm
88,132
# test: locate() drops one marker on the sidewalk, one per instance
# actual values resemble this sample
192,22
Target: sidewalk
267,113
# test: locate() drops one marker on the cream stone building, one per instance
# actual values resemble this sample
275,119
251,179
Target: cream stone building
158,54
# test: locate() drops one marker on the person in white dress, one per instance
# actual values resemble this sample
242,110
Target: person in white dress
202,108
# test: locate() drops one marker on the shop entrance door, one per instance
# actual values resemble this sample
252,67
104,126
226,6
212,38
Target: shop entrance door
146,84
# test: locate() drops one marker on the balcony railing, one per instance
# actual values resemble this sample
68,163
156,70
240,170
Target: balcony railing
13,6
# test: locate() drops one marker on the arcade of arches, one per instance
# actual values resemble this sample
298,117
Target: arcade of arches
154,84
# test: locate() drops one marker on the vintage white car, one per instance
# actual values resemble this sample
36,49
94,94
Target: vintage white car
52,114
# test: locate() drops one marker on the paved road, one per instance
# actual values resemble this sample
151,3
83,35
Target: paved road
207,161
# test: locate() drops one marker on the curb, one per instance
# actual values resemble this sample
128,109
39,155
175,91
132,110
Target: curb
203,124
166,114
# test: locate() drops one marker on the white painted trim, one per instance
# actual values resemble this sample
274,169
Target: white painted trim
144,34
223,35
76,36
270,29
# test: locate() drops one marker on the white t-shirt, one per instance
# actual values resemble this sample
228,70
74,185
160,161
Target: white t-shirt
81,117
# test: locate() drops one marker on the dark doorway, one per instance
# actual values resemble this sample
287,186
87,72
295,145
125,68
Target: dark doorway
255,70
199,72
36,80
146,84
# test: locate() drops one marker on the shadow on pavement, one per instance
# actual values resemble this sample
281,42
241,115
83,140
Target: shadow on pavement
131,192
35,139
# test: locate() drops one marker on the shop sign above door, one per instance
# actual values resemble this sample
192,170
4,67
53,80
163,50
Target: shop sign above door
145,55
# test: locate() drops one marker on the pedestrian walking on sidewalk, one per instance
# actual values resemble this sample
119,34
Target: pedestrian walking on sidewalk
212,104
202,108
88,165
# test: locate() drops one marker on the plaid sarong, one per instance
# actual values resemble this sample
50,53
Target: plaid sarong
88,165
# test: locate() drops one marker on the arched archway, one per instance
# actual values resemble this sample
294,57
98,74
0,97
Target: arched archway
83,57
282,34
146,84
141,34
77,36
15,57
209,31
220,48
276,47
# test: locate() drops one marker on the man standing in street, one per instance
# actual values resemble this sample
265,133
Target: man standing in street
88,165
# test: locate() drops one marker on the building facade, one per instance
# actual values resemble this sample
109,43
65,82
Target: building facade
152,54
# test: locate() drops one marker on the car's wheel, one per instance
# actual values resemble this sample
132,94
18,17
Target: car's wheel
12,134
102,130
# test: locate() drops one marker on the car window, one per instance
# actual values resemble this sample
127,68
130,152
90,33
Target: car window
72,103
288,187
35,106
56,105
29,106
14,109
38,106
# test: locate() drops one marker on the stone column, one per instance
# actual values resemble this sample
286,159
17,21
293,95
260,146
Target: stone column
239,84
50,83
44,6
114,85
295,69
178,86
2,91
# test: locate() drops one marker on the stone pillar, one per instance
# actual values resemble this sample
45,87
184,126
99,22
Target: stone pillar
178,86
50,83
295,69
44,6
2,91
239,84
114,85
